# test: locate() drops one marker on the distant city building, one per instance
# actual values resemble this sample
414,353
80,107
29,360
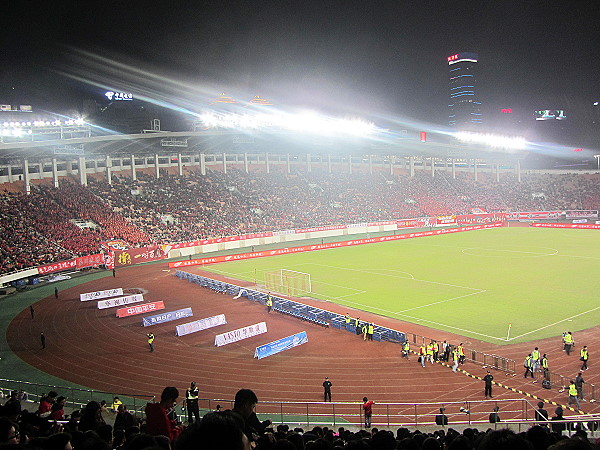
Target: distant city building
465,107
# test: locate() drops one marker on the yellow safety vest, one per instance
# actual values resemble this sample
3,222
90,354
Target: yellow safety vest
573,390
584,354
568,339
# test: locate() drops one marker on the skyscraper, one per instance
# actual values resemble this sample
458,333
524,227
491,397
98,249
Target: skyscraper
465,107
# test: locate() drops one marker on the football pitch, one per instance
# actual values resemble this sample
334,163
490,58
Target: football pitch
541,281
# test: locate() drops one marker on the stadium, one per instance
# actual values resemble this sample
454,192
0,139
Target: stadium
424,236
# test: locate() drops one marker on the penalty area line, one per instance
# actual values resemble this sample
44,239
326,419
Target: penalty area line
553,324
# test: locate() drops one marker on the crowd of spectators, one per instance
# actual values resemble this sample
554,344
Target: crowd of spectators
240,429
38,228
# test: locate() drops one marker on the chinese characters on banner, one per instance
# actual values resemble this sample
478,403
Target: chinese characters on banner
140,309
240,333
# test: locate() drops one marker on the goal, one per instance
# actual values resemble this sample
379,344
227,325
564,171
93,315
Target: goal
288,282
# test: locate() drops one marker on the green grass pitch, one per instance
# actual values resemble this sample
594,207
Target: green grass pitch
543,281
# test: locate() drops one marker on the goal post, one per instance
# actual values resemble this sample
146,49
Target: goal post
288,282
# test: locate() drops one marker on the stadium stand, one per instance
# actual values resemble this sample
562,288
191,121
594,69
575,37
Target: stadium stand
178,209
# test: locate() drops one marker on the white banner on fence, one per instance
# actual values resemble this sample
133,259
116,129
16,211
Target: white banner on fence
100,294
240,333
199,325
120,301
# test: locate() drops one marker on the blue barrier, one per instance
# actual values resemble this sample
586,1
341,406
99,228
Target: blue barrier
280,345
292,308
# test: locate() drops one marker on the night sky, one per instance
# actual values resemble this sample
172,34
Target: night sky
347,57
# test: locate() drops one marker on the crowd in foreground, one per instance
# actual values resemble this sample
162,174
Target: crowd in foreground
48,428
39,228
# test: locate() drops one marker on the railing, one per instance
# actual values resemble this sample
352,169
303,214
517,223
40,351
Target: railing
514,413
474,356
76,397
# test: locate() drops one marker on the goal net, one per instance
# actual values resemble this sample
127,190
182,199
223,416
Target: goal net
288,282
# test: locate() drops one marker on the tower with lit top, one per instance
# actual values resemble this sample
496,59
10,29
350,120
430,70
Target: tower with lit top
465,106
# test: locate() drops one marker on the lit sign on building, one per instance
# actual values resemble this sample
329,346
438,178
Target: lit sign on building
453,57
118,96
506,110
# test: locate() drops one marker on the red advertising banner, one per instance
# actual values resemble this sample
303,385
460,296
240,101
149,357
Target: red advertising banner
533,215
140,309
587,226
77,263
413,223
308,248
139,255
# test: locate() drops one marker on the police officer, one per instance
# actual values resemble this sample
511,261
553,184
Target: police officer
568,340
191,403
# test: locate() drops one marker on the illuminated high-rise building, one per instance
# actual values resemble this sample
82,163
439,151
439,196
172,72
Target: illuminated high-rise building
465,107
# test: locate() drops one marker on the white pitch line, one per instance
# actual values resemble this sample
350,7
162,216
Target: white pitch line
443,325
464,251
555,323
441,301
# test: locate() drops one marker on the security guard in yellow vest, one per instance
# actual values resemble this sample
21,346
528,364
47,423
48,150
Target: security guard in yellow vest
545,367
569,342
151,341
583,356
370,331
573,394
406,350
269,302
191,403
115,404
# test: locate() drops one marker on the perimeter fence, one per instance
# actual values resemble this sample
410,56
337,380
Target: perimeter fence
517,414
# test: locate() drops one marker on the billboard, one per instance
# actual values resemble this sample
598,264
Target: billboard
550,114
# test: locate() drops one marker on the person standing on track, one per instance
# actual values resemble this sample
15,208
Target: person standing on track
368,409
269,302
55,292
456,359
422,354
535,356
151,341
569,342
545,369
528,364
191,403
31,311
488,384
461,353
327,389
573,398
583,356
43,340
406,350
579,385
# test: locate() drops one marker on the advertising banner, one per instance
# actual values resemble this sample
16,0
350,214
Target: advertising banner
282,344
583,226
240,333
442,221
77,263
589,214
120,301
412,223
100,294
140,309
533,215
309,248
138,255
199,325
167,317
